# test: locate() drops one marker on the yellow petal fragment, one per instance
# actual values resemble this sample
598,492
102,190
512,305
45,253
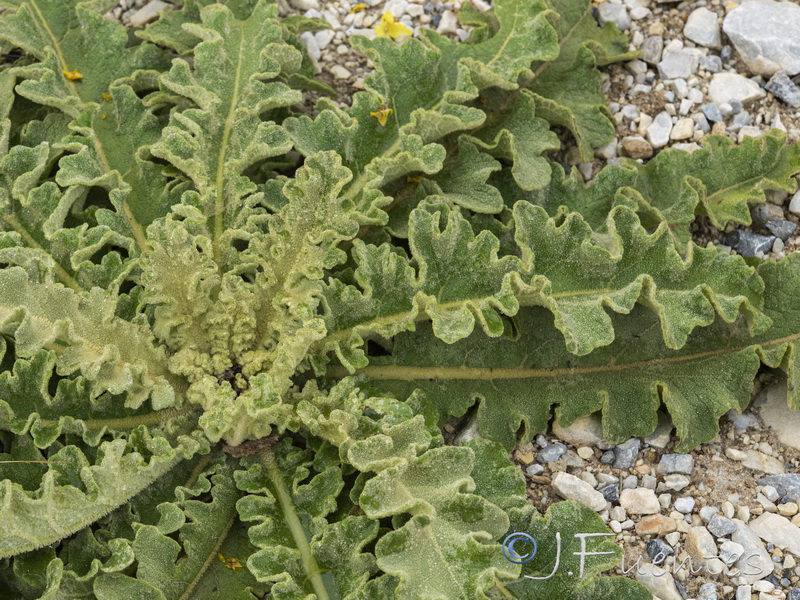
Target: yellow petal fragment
231,562
382,114
107,97
360,7
416,179
389,28
72,75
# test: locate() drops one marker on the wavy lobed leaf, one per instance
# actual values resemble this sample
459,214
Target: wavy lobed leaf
72,497
461,280
517,378
86,335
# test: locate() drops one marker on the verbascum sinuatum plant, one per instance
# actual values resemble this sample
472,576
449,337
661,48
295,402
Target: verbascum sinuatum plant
232,329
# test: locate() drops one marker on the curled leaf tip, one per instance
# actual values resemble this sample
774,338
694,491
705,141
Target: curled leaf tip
72,75
382,114
388,27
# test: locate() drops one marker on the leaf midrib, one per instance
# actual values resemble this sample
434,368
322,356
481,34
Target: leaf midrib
219,205
411,373
293,523
136,228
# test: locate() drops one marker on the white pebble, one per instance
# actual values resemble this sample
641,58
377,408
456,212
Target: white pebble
339,72
794,205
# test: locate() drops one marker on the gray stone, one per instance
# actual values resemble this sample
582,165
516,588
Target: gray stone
730,86
762,462
742,119
682,129
584,431
712,112
658,131
765,34
674,482
651,48
744,592
677,64
777,530
736,106
747,243
755,562
730,551
782,229
681,590
708,591
676,463
720,526
685,505
630,111
787,484
572,488
765,211
636,147
550,453
625,454
658,550
611,493
707,513
784,88
741,422
662,434
702,27
711,63
700,544
607,457
534,469
794,594
658,580
616,13
470,431
630,483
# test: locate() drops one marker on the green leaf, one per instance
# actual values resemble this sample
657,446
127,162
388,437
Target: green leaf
72,497
72,35
116,355
105,140
517,135
425,109
563,574
461,280
204,530
578,278
566,89
518,380
718,181
168,30
28,406
216,142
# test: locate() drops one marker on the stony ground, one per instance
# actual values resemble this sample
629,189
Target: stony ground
714,502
